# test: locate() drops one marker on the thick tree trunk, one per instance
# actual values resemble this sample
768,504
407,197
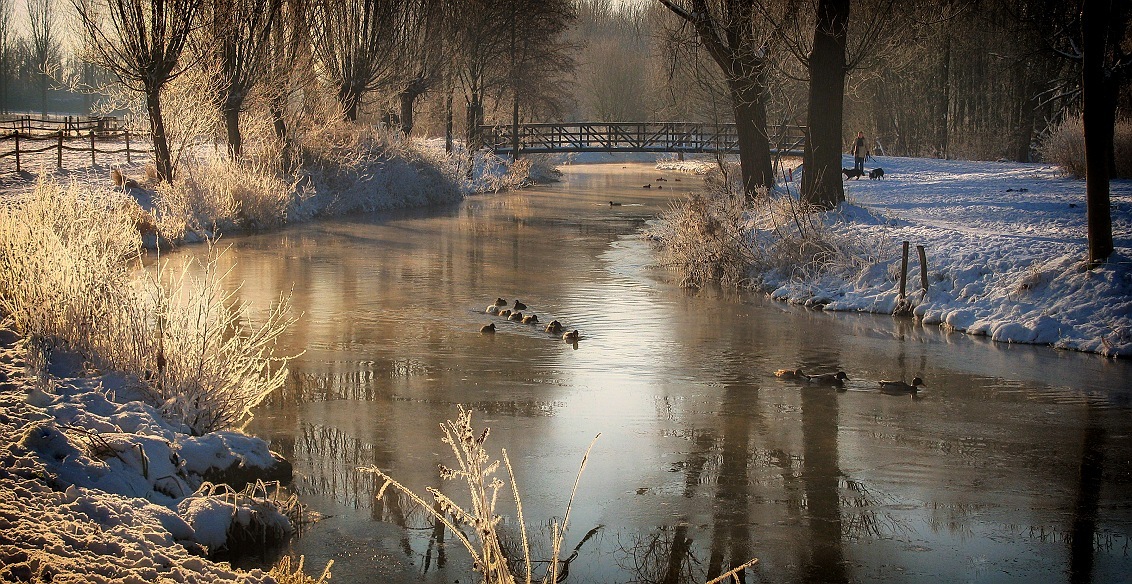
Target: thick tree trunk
407,99
821,180
1098,97
278,108
515,125
749,105
232,126
161,154
448,119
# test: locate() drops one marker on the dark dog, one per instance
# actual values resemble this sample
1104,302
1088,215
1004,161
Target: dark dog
851,173
876,173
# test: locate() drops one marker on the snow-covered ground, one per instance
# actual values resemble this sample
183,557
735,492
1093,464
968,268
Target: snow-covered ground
1005,244
95,487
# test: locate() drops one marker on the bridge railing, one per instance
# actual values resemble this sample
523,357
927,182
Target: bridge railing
687,137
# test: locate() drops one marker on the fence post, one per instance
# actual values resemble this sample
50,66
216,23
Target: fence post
59,158
17,151
923,267
92,147
128,161
904,272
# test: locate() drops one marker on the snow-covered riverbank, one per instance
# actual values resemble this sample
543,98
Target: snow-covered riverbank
1005,244
95,487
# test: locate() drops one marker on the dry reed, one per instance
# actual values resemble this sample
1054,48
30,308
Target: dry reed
477,470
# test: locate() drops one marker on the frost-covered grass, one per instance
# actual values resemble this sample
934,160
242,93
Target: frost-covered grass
69,260
1005,245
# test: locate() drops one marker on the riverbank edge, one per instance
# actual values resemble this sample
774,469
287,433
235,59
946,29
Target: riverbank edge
59,431
1043,287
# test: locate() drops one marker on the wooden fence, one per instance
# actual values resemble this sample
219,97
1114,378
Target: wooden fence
49,124
18,145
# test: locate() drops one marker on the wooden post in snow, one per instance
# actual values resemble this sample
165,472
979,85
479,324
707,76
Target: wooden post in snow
59,155
92,147
17,151
128,161
904,272
923,268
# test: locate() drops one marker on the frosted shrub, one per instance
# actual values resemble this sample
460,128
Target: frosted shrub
219,194
68,278
211,368
477,471
1065,147
722,236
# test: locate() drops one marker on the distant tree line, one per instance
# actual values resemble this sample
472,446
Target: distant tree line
377,58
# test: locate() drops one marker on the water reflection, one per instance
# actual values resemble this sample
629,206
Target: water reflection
1015,458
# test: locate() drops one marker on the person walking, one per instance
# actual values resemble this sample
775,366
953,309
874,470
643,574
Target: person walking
859,153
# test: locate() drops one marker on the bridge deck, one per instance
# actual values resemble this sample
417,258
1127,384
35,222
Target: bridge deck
684,137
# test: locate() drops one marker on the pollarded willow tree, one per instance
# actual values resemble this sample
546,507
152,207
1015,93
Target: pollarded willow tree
727,30
357,45
240,43
289,68
424,54
140,42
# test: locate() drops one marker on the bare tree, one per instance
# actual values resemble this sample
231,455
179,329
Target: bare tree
537,54
44,45
1105,63
7,8
424,53
356,43
727,30
240,42
819,36
290,48
480,39
140,42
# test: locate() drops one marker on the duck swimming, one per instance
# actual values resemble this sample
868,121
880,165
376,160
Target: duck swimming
571,337
487,328
515,316
614,204
554,327
789,373
519,305
505,313
900,386
530,319
828,378
492,309
500,302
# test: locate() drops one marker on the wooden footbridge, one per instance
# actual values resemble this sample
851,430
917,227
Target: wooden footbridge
676,137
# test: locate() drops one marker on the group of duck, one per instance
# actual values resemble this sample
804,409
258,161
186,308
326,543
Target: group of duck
838,379
499,308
